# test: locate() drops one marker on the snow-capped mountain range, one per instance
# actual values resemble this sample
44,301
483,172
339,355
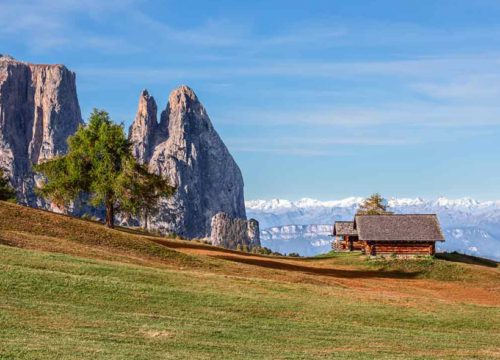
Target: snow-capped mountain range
470,226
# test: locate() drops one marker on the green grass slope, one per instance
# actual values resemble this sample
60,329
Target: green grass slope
71,289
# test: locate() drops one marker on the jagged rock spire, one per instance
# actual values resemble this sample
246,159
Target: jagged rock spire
187,149
142,131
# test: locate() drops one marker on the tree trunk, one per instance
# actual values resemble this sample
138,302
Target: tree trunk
146,222
110,216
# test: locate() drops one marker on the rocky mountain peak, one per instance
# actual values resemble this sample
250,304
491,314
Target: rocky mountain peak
184,110
6,58
142,131
184,98
186,148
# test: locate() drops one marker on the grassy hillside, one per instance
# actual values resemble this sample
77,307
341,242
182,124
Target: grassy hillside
71,289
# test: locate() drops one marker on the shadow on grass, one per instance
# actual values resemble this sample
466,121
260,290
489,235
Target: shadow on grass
358,274
278,263
186,244
467,259
5,242
133,231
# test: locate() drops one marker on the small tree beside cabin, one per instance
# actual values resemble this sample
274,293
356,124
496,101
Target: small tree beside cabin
374,205
100,163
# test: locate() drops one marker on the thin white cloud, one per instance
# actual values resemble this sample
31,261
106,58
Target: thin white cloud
280,151
378,33
307,34
45,25
212,33
351,140
41,18
437,68
108,45
402,114
482,87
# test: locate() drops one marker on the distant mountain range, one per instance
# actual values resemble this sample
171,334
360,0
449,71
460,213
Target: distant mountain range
470,226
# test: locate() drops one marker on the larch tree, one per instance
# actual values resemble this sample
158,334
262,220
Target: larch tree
374,205
7,193
145,189
99,163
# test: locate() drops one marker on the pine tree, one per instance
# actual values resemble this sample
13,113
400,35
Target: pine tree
7,193
145,190
99,163
374,205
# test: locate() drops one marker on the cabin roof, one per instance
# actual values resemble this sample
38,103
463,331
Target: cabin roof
342,228
398,227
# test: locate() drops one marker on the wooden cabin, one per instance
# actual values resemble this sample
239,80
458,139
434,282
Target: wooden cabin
402,235
346,236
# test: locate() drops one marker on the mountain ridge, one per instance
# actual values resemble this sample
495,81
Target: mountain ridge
346,202
185,147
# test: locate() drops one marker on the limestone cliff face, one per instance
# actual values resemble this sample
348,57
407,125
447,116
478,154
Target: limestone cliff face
185,147
39,110
229,233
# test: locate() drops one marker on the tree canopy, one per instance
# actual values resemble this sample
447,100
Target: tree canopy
100,163
7,193
374,205
145,191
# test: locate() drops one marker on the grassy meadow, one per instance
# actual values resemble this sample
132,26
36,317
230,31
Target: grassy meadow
71,289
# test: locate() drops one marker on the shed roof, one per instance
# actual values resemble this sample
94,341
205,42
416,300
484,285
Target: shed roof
398,227
342,228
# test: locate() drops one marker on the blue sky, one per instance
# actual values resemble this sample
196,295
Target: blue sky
321,99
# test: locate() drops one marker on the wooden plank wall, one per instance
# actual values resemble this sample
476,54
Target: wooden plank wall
400,248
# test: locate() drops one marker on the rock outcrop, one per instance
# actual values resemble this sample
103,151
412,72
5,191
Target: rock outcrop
185,147
39,110
229,233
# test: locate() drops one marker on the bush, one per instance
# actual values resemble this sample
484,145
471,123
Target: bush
262,251
90,217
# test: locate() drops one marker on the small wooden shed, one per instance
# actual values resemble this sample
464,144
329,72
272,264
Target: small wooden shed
399,234
346,236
